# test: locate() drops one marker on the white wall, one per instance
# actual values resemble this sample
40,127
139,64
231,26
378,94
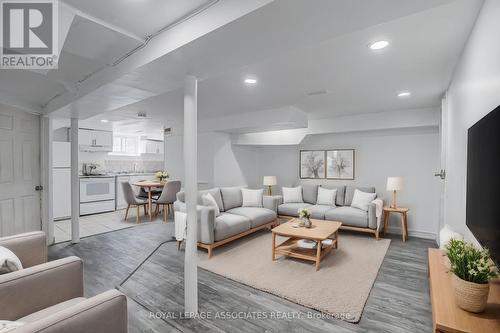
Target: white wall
219,162
410,153
473,93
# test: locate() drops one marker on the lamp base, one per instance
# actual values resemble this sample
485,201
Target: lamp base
393,204
269,190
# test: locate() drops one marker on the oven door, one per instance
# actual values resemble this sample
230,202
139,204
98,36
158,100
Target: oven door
97,189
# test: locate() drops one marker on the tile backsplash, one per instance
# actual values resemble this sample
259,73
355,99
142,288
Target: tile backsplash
115,166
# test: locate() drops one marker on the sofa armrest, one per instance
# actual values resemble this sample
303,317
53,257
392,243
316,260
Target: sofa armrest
206,221
33,289
372,216
104,313
30,247
271,202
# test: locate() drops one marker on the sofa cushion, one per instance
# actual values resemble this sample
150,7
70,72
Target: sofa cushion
227,225
326,196
292,194
209,201
340,198
318,211
349,193
232,197
310,193
258,216
348,216
361,200
51,310
252,198
216,193
290,209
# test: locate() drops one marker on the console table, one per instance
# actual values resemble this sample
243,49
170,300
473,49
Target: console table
447,317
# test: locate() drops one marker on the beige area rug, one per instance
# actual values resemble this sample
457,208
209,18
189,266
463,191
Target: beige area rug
340,288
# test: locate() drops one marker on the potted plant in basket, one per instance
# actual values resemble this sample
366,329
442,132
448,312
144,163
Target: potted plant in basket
162,175
472,270
305,217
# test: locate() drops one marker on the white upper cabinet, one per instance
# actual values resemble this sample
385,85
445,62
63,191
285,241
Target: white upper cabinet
95,140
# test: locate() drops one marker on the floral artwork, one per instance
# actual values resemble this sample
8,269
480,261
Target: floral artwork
312,164
340,164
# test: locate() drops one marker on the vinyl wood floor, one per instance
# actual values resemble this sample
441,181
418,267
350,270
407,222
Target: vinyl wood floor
398,302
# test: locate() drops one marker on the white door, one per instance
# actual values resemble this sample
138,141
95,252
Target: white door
19,172
443,133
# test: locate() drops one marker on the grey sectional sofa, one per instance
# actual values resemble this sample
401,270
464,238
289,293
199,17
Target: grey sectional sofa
351,218
234,221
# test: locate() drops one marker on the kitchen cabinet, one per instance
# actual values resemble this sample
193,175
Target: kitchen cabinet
95,140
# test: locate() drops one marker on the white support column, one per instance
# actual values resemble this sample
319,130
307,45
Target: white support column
191,189
75,184
46,139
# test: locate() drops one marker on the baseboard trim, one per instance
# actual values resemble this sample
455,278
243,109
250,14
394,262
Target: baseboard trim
413,233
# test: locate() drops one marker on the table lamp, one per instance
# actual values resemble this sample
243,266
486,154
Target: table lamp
269,181
394,184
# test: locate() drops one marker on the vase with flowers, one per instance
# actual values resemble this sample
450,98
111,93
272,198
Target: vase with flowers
305,217
472,270
162,175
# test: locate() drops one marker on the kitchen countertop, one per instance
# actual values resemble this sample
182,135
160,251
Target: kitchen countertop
108,175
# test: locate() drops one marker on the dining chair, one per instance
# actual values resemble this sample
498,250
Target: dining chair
133,201
168,197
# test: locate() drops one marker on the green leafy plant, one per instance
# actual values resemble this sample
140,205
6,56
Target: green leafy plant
470,263
304,213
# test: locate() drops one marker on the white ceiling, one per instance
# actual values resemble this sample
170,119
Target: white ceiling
140,17
292,46
292,54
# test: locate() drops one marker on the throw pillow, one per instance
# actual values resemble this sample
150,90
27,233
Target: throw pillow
209,200
9,262
326,196
252,198
9,326
361,200
292,194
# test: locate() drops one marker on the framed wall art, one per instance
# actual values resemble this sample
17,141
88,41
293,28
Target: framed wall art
312,164
340,164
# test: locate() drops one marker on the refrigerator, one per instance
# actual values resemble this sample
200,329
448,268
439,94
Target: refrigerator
61,180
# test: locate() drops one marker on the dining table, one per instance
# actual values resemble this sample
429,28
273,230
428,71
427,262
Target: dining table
149,185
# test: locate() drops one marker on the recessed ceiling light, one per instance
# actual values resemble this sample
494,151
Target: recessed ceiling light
404,94
104,121
250,81
378,45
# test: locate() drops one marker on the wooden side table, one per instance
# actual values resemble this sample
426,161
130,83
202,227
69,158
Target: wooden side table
404,220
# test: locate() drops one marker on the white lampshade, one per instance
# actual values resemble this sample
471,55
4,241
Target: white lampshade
394,183
270,180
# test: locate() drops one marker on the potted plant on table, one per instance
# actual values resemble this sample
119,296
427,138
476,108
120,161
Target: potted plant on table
472,270
162,175
305,217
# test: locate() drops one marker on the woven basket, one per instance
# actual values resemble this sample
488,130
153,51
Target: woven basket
470,296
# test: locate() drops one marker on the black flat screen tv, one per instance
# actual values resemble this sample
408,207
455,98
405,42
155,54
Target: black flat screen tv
483,182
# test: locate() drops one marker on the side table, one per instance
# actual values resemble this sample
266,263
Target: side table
404,219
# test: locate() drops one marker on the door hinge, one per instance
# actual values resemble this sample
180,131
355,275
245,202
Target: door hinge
39,188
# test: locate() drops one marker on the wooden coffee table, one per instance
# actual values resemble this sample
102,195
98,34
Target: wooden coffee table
320,231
